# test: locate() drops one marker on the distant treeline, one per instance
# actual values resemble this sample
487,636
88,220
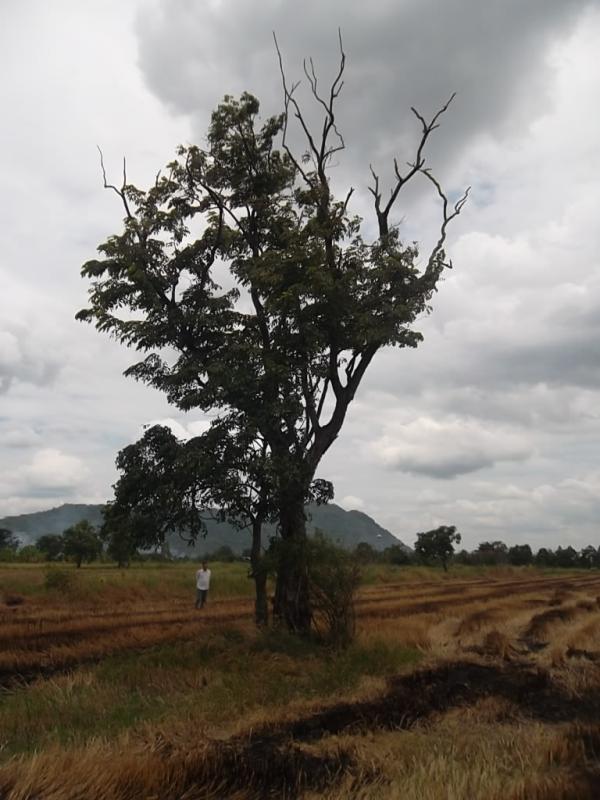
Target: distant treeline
492,553
81,543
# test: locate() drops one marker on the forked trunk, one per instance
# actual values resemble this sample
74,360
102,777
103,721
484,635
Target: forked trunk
292,601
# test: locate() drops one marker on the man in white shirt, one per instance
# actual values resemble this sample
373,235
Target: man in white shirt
202,585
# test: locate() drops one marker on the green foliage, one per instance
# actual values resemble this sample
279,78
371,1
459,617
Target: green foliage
120,544
8,540
365,553
396,554
51,546
224,554
30,554
81,543
437,544
520,555
7,554
334,578
490,553
319,299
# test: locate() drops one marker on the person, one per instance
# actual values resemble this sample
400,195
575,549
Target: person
202,585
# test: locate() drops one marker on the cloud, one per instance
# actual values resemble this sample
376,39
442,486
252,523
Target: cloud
508,370
53,471
399,54
18,437
447,449
351,503
182,429
24,359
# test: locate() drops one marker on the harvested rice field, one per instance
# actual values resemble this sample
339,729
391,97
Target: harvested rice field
483,685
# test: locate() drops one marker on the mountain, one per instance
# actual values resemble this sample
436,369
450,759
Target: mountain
29,527
347,528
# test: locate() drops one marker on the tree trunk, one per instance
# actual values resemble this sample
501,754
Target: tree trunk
259,573
292,601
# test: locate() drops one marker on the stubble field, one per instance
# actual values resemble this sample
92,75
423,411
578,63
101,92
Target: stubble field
478,685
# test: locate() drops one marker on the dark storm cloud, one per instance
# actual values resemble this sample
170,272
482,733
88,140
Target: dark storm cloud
415,52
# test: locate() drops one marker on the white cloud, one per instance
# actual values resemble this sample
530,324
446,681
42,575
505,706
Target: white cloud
351,503
445,449
182,429
53,470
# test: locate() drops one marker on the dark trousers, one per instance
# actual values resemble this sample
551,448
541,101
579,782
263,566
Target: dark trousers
201,597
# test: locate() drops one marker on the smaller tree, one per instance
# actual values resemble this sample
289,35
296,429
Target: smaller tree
29,554
8,541
119,540
437,544
566,557
589,557
520,555
491,553
51,546
223,553
333,576
81,542
545,557
396,554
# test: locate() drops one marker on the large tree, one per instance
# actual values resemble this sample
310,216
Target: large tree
306,300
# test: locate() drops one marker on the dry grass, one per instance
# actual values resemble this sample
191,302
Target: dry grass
156,700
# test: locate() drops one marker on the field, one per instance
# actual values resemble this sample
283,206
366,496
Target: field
481,684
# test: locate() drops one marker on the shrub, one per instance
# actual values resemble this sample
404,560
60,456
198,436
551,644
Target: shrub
59,580
334,578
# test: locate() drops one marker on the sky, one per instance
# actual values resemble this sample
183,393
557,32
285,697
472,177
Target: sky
493,423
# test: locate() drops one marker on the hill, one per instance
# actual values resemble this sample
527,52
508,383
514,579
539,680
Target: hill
29,527
347,528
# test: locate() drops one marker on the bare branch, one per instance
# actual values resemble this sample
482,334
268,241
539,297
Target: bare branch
120,192
415,166
447,216
287,98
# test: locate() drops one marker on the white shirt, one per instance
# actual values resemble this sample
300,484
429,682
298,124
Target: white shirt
203,579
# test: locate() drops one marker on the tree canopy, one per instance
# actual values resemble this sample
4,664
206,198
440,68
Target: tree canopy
248,287
437,544
81,542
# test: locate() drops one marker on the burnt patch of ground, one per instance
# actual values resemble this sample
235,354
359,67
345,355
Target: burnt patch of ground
262,767
422,694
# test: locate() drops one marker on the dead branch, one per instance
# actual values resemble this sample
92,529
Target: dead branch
448,214
415,166
120,192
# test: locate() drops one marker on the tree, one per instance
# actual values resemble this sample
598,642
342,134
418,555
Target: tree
8,540
311,301
51,546
589,557
153,495
169,486
395,554
437,544
566,557
545,557
520,555
29,554
491,553
81,542
120,544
